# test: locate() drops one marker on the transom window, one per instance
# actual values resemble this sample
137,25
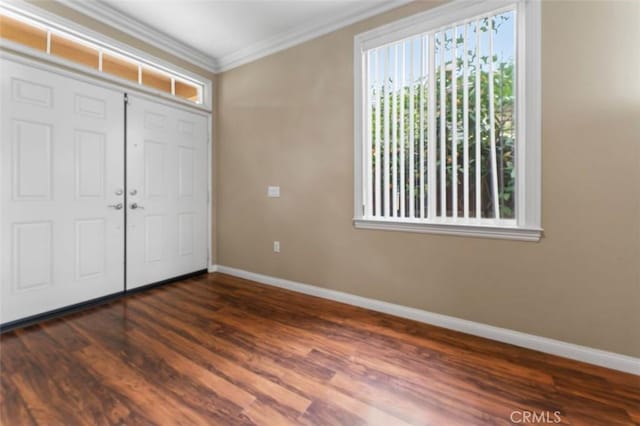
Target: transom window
61,44
447,128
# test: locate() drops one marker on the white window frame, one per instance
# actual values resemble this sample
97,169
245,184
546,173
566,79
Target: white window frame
527,224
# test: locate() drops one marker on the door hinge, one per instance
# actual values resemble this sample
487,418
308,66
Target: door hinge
126,99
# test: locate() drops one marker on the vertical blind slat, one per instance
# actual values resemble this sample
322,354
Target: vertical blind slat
454,124
423,77
395,132
412,139
371,84
465,119
431,141
387,66
478,135
443,129
492,131
402,133
377,144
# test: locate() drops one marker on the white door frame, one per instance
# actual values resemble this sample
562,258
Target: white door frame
142,93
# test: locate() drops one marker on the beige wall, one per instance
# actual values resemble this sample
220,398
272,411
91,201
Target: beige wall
287,119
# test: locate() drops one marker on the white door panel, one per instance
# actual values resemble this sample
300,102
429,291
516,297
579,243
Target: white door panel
61,165
167,179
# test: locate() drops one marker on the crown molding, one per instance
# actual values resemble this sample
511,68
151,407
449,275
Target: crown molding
297,36
133,27
128,25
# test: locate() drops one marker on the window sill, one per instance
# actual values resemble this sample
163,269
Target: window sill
461,229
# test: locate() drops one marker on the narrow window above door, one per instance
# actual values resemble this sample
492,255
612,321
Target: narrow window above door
447,107
39,35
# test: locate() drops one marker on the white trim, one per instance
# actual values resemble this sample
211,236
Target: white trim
586,354
108,15
297,36
56,22
210,174
530,82
528,224
360,127
460,230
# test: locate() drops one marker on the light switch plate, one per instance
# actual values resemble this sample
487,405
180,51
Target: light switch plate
273,191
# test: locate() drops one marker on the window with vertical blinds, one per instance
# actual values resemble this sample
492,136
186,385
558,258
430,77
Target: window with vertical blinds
439,123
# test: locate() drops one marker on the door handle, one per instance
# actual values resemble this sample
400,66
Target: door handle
135,206
116,206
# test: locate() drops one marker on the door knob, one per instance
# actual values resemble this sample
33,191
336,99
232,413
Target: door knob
133,192
119,192
136,206
116,206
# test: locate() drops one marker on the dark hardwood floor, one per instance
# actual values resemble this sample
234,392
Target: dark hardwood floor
220,350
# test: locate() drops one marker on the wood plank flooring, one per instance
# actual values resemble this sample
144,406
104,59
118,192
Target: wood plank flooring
220,350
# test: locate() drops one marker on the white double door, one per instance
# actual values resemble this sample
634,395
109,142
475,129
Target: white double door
67,210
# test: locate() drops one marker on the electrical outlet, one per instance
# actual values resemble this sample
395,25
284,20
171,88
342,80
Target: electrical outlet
276,246
273,191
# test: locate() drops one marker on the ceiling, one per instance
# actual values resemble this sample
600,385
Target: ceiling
226,33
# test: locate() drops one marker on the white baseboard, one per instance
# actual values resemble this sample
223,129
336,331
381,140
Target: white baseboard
555,347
